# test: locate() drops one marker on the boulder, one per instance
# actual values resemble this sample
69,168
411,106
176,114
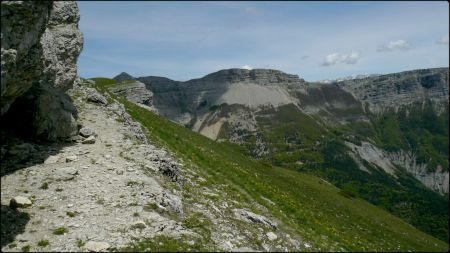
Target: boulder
19,202
252,217
89,140
65,174
271,236
97,99
86,132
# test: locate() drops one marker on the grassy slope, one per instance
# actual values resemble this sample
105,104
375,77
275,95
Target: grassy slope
293,136
311,207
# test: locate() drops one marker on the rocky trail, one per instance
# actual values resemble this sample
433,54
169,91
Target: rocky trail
109,187
95,190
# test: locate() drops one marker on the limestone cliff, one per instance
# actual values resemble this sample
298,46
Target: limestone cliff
40,45
399,89
184,101
228,104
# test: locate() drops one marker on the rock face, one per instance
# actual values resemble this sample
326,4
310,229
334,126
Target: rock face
437,180
184,101
40,46
230,104
20,47
134,91
394,90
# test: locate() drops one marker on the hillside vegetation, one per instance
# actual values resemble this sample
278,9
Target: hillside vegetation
296,141
330,218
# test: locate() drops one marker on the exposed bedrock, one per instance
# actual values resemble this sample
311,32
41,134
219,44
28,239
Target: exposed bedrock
40,45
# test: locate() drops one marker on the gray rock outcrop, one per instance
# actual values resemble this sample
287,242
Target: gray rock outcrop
437,180
134,91
41,43
225,105
252,217
184,101
399,89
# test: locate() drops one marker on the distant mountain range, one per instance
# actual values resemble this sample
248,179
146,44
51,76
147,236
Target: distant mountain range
385,136
352,77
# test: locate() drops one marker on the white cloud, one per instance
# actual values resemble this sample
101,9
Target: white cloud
335,58
394,45
443,40
247,67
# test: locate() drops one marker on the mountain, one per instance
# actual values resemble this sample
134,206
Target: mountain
400,89
185,101
86,164
220,200
123,77
384,137
352,77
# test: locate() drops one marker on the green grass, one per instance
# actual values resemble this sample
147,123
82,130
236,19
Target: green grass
199,223
103,83
80,243
166,244
60,231
26,248
71,214
316,211
308,144
307,206
43,243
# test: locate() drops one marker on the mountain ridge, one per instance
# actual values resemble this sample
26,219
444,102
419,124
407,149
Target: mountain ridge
397,135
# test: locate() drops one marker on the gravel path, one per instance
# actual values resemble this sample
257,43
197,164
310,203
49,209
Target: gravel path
100,192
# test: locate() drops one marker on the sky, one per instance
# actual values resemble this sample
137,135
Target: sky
315,40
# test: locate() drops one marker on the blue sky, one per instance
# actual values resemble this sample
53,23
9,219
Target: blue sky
315,40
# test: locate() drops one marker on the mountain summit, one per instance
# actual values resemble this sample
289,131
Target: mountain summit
123,77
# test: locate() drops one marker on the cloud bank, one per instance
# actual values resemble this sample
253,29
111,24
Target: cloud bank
394,45
336,58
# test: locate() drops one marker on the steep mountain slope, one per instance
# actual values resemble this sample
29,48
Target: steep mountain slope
395,90
383,137
304,208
